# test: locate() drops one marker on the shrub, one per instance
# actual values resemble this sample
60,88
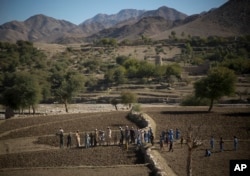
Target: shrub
136,108
191,100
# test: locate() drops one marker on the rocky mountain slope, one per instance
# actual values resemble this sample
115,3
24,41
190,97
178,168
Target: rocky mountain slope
104,21
40,28
231,19
123,25
146,26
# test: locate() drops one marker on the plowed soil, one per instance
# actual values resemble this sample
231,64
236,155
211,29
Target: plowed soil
36,132
222,122
29,146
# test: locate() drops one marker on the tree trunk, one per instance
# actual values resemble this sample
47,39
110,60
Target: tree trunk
189,162
129,105
66,106
9,112
211,105
116,107
33,109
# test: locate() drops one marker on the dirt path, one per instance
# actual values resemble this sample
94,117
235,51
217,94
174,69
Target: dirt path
161,162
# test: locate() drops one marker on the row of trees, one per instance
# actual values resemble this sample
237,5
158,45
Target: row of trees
231,53
219,82
28,77
129,68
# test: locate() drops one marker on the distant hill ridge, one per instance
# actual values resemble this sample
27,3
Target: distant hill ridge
231,19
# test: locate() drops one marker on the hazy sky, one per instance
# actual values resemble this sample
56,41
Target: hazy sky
77,11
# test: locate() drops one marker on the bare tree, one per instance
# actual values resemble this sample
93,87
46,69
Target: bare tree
193,141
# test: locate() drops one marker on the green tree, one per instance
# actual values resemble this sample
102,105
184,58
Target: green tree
187,53
131,63
173,70
146,40
160,71
189,50
146,70
128,98
107,42
115,102
66,86
131,66
109,76
132,72
9,57
120,75
219,82
25,92
121,59
239,65
173,34
92,65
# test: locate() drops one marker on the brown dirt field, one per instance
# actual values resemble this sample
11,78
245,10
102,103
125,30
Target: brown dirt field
40,154
95,156
31,132
76,171
225,122
49,125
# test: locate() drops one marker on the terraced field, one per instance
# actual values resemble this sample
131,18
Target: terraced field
23,153
29,146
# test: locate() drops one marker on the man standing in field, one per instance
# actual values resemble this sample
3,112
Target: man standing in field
171,135
121,136
145,134
171,148
235,143
91,139
149,134
69,140
61,137
152,139
177,133
96,136
161,142
182,140
127,136
212,143
221,144
77,139
132,135
109,132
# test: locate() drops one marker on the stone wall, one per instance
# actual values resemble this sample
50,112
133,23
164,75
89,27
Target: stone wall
156,163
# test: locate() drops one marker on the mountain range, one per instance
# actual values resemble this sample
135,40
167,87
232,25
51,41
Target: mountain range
231,19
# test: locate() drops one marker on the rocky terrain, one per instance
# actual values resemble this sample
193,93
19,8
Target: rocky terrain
231,19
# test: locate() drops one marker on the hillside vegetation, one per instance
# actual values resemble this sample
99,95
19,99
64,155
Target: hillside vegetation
157,71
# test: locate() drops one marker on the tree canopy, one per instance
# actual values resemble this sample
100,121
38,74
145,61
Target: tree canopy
23,91
66,85
128,98
219,82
